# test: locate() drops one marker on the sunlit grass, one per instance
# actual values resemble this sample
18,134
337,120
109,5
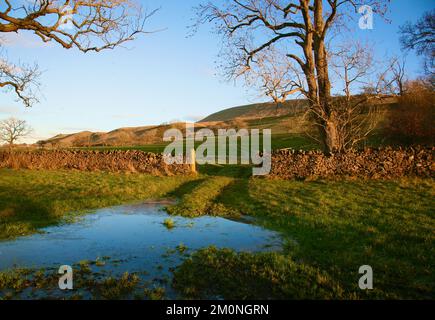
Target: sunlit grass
214,273
339,226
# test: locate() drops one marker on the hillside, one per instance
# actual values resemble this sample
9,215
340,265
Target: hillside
284,120
122,136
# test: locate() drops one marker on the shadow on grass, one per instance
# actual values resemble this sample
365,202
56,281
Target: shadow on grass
185,188
236,196
231,171
20,215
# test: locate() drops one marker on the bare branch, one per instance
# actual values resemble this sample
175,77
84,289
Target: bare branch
421,37
21,79
89,25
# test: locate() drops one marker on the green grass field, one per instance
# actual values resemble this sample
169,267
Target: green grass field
331,228
294,141
279,141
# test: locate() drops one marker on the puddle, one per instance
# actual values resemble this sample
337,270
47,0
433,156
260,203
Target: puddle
133,239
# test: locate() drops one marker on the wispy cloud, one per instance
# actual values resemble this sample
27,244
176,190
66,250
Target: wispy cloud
9,111
22,40
74,129
128,116
193,118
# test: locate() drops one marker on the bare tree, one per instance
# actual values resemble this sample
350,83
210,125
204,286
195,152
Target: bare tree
299,27
399,75
392,79
88,25
352,63
11,130
421,37
357,117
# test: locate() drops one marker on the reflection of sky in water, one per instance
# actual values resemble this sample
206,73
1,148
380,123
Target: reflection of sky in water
136,236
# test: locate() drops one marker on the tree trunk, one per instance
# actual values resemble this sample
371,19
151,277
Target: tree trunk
317,75
329,123
331,137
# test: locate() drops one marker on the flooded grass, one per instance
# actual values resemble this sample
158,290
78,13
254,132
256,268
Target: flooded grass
123,252
330,229
88,284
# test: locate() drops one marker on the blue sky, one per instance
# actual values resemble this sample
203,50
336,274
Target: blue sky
161,77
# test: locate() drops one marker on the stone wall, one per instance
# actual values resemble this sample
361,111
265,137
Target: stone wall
385,163
111,161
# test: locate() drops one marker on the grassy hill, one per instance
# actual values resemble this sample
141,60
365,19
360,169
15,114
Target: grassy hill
258,110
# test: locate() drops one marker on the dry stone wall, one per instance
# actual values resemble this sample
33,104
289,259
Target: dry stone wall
111,161
385,163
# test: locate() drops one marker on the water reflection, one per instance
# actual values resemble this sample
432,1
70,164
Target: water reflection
134,238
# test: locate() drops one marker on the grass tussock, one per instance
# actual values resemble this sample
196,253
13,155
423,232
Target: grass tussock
169,223
117,288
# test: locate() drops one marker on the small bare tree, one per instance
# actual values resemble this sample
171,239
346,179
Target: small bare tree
393,79
88,25
353,64
11,130
399,75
